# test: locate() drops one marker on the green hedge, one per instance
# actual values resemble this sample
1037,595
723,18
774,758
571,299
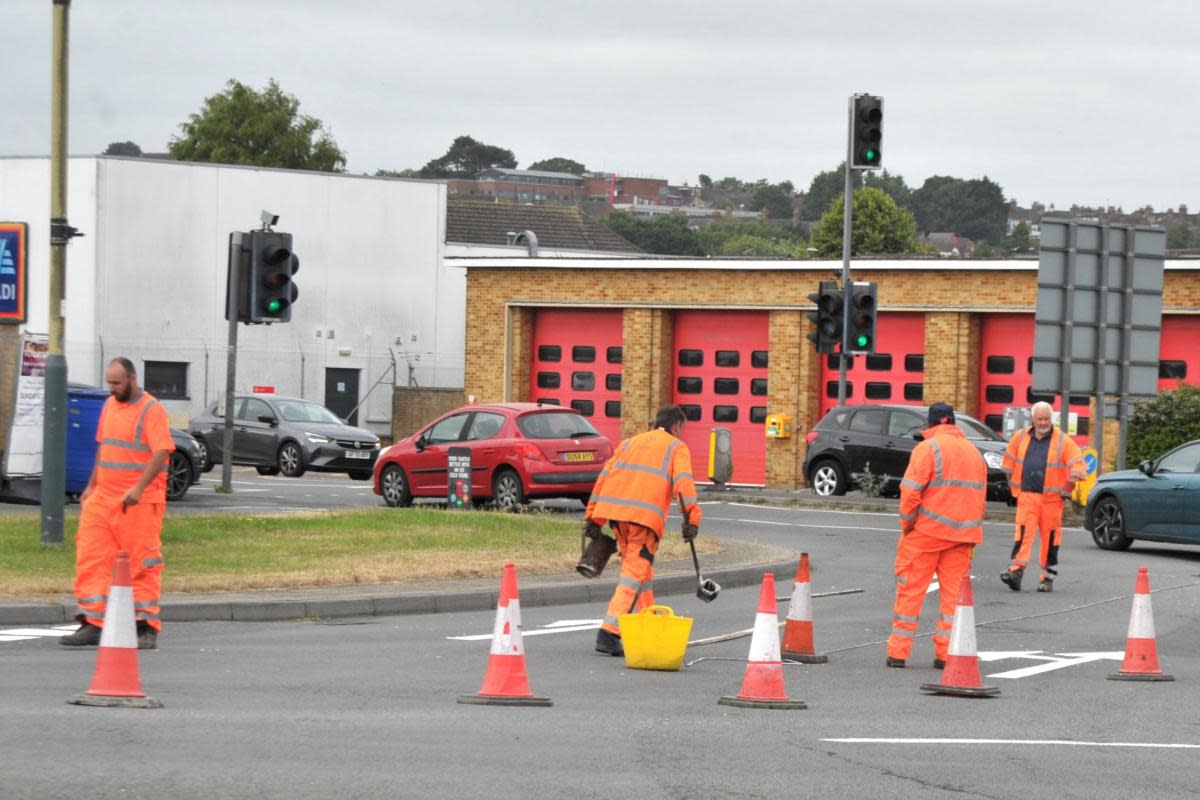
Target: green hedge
1164,422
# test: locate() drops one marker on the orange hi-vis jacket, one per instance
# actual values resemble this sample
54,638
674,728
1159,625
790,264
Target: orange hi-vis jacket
944,488
129,434
1064,462
640,481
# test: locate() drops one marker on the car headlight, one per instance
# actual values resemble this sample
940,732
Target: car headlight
317,438
993,460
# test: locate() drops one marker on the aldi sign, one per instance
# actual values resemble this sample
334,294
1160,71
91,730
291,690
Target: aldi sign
14,250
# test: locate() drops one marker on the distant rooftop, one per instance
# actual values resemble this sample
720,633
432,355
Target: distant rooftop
470,222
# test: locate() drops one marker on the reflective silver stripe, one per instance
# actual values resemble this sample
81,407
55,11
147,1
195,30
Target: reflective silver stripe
948,619
95,598
145,615
151,562
647,586
903,634
661,473
137,432
629,583
127,466
126,445
906,618
961,484
911,484
970,523
1074,461
145,603
908,517
616,501
610,620
666,462
680,476
937,459
89,612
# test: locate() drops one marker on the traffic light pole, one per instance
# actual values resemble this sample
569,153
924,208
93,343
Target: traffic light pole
847,222
235,246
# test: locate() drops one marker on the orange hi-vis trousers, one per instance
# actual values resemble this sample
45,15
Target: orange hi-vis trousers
103,530
635,589
1039,514
918,558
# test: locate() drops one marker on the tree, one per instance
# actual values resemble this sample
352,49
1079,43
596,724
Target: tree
705,181
891,183
262,129
666,235
123,149
776,198
559,164
880,226
975,209
1163,422
1019,239
824,187
466,158
394,173
752,238
1183,235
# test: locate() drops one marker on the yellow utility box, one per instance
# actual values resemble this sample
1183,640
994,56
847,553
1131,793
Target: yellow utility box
779,426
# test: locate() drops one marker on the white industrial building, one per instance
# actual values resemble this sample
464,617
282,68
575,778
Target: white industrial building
147,280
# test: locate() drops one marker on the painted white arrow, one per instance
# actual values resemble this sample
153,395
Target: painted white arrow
1003,655
562,626
1061,661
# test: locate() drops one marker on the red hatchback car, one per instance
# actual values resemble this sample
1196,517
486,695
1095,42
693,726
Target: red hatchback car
519,451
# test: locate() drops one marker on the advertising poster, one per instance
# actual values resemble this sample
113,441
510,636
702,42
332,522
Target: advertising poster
459,472
24,457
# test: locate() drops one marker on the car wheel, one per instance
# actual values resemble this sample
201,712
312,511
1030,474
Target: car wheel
360,474
828,478
179,476
1108,525
267,470
291,460
507,493
393,484
206,463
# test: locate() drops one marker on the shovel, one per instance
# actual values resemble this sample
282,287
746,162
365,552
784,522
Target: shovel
706,588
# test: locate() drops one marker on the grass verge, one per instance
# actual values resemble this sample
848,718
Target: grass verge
379,545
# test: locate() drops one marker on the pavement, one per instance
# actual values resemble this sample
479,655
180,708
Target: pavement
739,563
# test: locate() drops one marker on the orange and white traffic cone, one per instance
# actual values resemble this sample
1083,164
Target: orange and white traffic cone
961,676
116,681
798,630
762,686
506,683
1141,649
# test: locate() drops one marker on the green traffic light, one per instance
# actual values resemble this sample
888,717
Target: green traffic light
863,340
871,155
274,305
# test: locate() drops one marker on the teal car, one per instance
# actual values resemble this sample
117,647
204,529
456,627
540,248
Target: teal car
1159,502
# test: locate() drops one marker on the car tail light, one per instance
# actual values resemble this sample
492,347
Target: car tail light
809,438
530,451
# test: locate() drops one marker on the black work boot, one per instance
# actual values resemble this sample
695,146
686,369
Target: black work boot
939,663
1013,577
609,643
1047,585
88,635
895,663
147,637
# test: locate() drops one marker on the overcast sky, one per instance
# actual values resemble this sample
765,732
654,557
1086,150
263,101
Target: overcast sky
1063,101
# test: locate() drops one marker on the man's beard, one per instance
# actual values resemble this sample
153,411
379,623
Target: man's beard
124,395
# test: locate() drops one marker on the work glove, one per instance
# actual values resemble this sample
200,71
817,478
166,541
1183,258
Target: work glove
591,530
690,532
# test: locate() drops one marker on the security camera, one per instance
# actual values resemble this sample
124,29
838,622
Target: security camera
268,219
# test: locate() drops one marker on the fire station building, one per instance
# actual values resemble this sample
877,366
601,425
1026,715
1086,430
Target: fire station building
726,340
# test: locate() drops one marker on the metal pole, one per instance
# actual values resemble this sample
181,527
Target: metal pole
235,246
1127,265
1064,417
1101,345
54,425
847,218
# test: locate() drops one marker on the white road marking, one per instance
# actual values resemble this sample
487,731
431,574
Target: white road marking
806,525
562,626
1057,662
24,634
1064,742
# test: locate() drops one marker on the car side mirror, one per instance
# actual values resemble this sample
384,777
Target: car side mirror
420,444
270,420
1146,467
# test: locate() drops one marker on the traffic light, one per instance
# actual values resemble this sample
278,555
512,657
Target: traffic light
863,308
239,254
272,265
828,316
867,136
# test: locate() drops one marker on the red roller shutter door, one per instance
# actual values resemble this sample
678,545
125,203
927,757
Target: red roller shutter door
892,375
1179,352
1006,372
576,362
721,381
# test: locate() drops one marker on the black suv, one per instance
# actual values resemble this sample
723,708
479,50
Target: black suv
851,437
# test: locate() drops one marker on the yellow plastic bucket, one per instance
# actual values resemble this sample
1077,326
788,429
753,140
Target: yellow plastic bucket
655,638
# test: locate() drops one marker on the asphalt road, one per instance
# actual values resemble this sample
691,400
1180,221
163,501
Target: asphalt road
366,708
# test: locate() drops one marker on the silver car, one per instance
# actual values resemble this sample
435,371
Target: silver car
286,435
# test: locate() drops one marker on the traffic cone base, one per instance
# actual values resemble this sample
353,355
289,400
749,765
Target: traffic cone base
798,629
1141,648
116,682
506,683
960,676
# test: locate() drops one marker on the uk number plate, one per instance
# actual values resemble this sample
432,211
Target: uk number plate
358,454
586,455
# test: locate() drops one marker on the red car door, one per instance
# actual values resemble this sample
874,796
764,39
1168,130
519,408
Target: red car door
487,445
429,463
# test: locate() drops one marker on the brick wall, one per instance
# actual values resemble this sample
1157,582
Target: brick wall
502,301
413,407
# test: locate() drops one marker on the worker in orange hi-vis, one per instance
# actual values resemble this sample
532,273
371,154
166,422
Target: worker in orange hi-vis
1043,465
634,494
123,508
942,501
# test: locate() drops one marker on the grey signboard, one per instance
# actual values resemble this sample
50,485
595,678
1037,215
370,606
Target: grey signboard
1099,308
